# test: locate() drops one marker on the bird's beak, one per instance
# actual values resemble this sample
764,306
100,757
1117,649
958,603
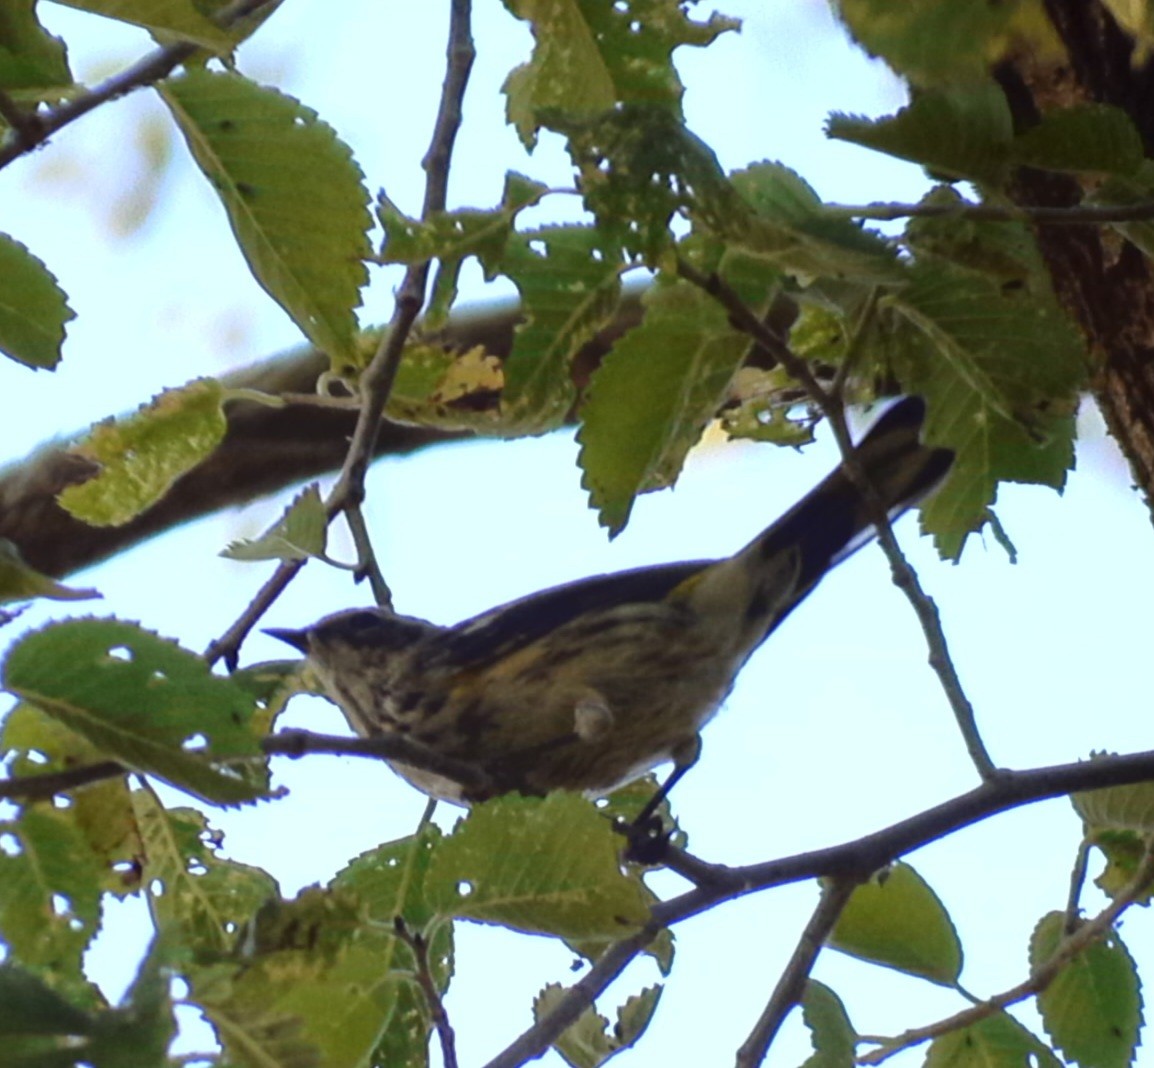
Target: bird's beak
298,639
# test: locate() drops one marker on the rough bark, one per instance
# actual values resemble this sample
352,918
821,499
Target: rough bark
1106,284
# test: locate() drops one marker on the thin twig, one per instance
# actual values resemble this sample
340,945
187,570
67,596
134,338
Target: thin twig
390,747
790,986
376,382
1078,215
1077,880
904,576
1042,976
152,68
291,743
428,984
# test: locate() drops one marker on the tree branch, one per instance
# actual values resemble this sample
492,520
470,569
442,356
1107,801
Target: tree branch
791,983
849,861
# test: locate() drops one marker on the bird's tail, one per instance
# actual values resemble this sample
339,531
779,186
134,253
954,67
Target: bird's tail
775,571
833,520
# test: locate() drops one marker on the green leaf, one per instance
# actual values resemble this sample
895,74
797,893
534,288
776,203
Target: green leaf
177,18
998,1041
49,893
546,866
197,897
294,195
437,387
19,582
1093,1009
1125,851
588,1042
41,1029
1129,808
141,456
28,1007
30,57
570,286
590,55
33,308
1000,371
1134,188
833,1036
941,42
1006,252
142,700
961,133
896,920
36,744
390,879
300,533
1086,137
792,231
639,166
452,236
299,959
652,397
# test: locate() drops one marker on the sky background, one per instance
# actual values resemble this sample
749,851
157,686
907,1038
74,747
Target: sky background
836,728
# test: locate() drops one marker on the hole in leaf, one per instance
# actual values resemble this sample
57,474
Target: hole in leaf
75,924
156,888
36,757
157,677
61,905
195,741
120,652
196,868
61,801
538,246
464,888
10,845
178,989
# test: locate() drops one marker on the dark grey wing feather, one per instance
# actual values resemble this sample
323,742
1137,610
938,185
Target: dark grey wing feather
521,622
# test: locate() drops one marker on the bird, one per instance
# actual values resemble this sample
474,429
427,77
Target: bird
590,685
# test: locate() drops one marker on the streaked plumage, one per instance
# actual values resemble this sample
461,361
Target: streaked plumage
591,684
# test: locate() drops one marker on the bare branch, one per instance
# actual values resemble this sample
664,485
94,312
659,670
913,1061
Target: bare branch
290,743
791,983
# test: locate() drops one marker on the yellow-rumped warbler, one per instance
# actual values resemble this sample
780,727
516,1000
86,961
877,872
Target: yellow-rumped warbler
591,684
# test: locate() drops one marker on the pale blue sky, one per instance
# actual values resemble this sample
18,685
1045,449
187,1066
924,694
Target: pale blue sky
836,727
